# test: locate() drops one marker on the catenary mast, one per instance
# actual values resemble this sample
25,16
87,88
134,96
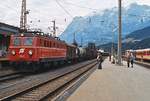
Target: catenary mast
23,18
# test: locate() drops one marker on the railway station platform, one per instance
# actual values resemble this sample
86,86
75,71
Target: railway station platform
115,83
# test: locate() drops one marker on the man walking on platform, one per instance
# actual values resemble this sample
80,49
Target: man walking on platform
132,59
99,60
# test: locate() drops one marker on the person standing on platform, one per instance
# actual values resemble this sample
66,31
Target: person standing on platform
99,60
109,57
132,59
128,59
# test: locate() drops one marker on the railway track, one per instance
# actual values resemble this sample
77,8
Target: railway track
39,89
10,76
145,64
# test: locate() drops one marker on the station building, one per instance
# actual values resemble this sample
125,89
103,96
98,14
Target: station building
5,32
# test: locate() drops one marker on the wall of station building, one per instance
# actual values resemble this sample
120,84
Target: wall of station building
4,43
5,32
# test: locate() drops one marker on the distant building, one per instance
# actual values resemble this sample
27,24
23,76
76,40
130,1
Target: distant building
5,32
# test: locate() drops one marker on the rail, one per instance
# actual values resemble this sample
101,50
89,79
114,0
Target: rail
41,88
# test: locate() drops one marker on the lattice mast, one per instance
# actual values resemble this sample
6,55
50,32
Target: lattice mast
54,28
23,18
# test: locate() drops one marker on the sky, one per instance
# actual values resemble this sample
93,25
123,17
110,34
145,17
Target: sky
42,12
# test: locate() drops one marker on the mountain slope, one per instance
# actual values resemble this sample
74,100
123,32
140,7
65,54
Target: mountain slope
139,34
143,37
98,27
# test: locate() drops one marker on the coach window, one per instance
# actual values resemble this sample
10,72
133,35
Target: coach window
144,52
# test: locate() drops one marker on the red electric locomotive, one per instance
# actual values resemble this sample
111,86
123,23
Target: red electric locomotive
34,50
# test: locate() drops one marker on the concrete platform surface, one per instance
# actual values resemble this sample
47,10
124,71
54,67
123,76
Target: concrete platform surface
115,83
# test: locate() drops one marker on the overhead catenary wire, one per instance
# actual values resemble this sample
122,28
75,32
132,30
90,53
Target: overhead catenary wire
5,5
63,8
73,4
12,11
11,8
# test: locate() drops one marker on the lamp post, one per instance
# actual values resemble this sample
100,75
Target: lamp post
119,35
114,29
112,49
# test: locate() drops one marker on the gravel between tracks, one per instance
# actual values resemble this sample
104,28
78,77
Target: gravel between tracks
35,80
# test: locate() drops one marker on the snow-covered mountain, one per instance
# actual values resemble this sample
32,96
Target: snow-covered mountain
98,27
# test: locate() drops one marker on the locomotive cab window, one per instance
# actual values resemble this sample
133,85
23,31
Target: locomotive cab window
28,41
16,41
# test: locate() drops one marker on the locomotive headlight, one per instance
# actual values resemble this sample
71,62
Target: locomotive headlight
30,52
13,52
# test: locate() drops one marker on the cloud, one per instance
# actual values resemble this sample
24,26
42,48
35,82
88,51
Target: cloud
48,10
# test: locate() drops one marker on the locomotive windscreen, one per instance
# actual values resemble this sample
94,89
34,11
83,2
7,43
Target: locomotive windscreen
17,41
28,41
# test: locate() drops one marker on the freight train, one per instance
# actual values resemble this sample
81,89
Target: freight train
33,51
